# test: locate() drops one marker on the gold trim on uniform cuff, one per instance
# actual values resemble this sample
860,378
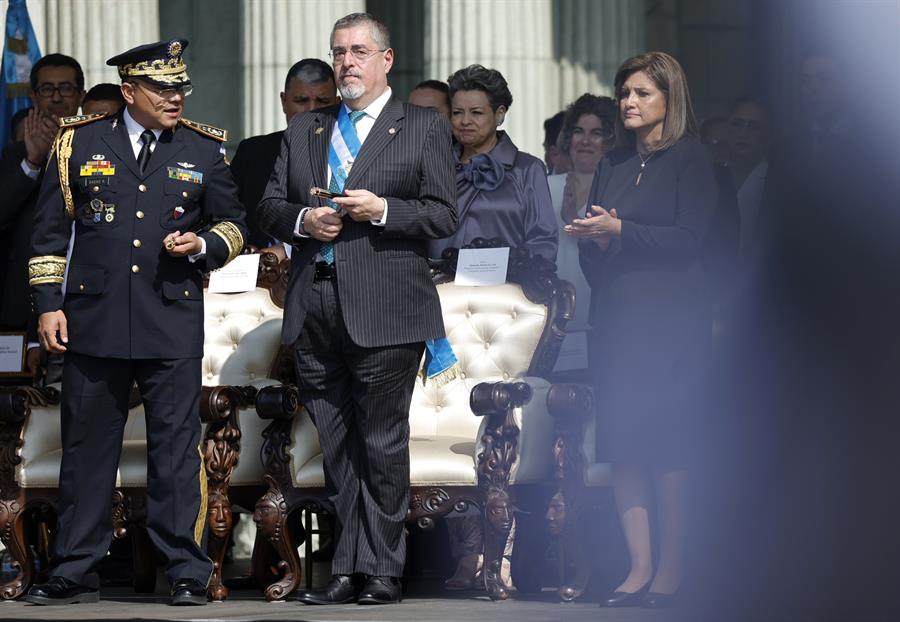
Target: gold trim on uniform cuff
232,237
46,269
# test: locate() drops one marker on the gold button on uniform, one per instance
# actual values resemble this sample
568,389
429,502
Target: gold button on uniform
187,293
139,214
142,188
184,194
96,188
137,243
81,287
135,268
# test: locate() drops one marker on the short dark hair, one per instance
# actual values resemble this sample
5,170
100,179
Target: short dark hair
434,85
310,71
14,121
57,60
380,32
479,78
552,128
104,92
604,108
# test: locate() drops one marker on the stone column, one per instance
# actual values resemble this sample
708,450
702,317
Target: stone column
93,30
276,34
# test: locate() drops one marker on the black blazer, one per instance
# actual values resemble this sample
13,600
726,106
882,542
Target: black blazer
125,296
386,293
17,199
251,168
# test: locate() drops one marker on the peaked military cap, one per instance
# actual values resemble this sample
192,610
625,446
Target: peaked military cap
159,63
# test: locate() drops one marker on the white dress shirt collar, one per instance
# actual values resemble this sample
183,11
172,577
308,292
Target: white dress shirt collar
135,130
374,109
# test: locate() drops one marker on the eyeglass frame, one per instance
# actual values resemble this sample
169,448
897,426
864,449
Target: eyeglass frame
54,88
171,91
333,54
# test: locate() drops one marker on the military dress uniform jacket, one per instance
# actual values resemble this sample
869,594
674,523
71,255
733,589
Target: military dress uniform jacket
125,296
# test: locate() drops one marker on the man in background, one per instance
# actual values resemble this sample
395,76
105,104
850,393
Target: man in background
432,94
309,85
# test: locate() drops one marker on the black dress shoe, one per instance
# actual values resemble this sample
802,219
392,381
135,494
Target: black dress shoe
188,592
61,591
624,599
341,590
656,600
381,591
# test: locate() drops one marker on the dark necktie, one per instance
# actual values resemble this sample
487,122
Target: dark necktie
148,139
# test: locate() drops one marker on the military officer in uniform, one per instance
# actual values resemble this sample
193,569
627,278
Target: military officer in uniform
153,206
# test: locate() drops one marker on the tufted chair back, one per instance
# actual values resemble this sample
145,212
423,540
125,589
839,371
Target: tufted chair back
494,332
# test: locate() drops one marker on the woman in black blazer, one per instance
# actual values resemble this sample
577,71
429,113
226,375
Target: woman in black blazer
640,249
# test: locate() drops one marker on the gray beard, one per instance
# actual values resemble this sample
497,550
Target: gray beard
352,91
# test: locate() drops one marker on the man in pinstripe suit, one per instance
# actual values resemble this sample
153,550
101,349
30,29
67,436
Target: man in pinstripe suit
360,301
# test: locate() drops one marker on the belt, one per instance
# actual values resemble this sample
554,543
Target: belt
325,272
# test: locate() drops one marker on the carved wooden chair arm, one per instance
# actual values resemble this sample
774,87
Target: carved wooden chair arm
280,401
16,402
567,401
494,398
220,403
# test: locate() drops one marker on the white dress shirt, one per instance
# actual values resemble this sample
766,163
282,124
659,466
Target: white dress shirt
363,127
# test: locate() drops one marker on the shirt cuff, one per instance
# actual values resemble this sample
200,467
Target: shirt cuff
383,221
300,233
32,173
201,254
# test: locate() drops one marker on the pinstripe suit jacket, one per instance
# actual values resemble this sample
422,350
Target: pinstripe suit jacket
386,293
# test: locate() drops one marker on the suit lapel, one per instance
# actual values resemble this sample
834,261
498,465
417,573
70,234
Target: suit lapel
387,126
319,142
117,140
170,143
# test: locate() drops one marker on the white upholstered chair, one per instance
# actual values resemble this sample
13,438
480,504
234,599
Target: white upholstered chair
473,441
241,352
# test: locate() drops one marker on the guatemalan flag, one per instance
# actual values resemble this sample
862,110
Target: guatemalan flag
20,52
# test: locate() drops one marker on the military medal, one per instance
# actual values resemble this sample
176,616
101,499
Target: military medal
177,213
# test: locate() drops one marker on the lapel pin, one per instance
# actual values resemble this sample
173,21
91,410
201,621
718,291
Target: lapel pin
392,131
319,130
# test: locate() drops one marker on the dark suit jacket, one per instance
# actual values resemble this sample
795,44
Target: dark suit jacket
386,293
17,199
125,296
251,168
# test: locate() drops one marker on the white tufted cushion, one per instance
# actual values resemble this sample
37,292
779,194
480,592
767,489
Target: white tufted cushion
494,332
241,341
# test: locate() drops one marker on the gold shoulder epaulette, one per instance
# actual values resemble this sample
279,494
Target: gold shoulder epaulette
81,119
207,130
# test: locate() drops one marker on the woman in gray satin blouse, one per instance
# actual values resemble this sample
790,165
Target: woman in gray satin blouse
501,192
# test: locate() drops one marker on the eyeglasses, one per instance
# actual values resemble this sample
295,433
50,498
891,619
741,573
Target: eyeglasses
359,52
169,92
66,89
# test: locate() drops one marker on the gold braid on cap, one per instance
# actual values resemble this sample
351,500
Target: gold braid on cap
46,269
232,237
168,71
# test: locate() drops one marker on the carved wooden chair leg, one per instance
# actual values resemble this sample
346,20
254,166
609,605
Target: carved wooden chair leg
498,523
271,517
263,562
12,534
221,523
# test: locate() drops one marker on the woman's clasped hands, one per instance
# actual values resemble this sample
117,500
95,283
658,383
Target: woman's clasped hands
598,225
